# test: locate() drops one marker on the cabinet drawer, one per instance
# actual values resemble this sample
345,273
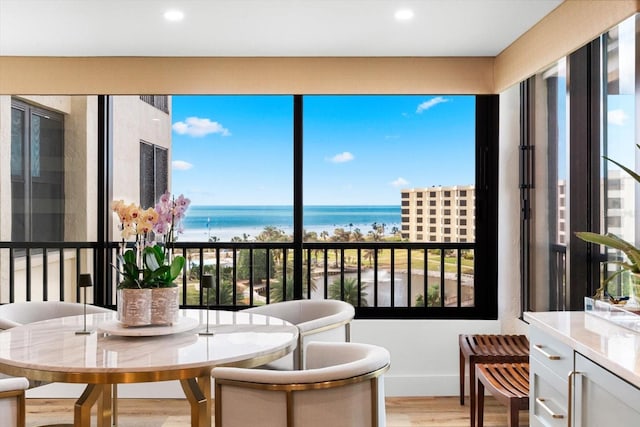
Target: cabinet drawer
548,396
553,354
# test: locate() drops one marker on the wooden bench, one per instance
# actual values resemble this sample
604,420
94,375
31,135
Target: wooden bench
488,349
508,383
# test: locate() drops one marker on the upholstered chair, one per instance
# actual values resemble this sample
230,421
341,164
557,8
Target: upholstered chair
317,320
22,313
12,401
342,387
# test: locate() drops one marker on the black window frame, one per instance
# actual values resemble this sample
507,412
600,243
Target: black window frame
486,205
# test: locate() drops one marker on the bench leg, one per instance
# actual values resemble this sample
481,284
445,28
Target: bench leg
480,402
472,391
461,378
514,413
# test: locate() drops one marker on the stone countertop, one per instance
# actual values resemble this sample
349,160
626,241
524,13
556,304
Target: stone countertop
615,348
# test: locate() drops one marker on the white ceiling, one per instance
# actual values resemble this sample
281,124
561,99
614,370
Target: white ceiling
265,27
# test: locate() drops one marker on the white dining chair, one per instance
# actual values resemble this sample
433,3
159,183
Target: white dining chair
22,313
12,401
342,386
317,320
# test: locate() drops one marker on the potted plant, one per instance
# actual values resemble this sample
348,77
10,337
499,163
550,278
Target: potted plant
147,292
632,263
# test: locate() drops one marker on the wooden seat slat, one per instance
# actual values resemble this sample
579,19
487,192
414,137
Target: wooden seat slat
508,383
488,348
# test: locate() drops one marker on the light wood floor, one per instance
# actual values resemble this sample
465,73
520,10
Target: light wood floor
401,412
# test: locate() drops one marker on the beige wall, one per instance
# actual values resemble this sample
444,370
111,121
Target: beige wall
245,75
569,26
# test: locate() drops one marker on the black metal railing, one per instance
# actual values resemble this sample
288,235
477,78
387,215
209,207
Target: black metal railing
381,279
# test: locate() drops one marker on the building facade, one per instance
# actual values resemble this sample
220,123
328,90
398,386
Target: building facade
48,181
438,214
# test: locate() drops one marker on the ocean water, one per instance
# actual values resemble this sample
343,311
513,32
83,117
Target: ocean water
226,222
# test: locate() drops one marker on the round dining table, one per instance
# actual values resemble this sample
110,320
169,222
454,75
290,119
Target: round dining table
98,351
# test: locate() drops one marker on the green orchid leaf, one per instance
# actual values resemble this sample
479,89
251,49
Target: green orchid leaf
615,242
129,257
176,267
151,259
624,168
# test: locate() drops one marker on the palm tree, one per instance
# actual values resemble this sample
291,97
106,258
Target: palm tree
368,254
350,290
357,235
310,236
339,235
275,288
226,295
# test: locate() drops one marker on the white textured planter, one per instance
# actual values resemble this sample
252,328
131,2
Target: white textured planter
134,307
165,304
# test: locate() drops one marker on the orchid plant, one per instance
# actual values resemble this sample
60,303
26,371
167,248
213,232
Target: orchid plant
151,264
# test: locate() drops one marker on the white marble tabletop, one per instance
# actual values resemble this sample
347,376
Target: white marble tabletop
609,345
52,351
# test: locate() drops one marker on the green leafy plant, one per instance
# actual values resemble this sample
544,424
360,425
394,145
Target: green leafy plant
159,272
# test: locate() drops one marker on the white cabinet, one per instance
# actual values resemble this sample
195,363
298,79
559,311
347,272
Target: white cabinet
599,398
550,363
602,398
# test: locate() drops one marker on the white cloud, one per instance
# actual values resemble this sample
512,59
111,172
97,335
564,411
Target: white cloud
181,165
199,127
430,103
617,117
399,182
342,157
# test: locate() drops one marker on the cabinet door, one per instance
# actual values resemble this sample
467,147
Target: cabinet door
547,396
603,399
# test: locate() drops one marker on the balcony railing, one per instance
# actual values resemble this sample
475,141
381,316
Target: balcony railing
381,279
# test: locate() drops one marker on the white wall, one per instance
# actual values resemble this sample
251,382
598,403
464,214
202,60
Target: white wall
424,359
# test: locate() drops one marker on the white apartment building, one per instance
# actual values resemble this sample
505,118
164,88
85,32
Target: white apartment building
439,214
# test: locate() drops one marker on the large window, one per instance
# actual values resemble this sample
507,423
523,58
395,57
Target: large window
233,156
37,174
291,196
368,161
584,109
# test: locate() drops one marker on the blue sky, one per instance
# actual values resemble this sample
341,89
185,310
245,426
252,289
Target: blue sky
358,150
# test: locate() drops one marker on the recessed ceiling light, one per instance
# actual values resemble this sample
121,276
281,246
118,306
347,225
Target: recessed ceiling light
404,14
174,15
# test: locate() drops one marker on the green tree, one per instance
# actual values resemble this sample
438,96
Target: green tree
433,296
259,264
350,292
275,287
226,295
368,255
